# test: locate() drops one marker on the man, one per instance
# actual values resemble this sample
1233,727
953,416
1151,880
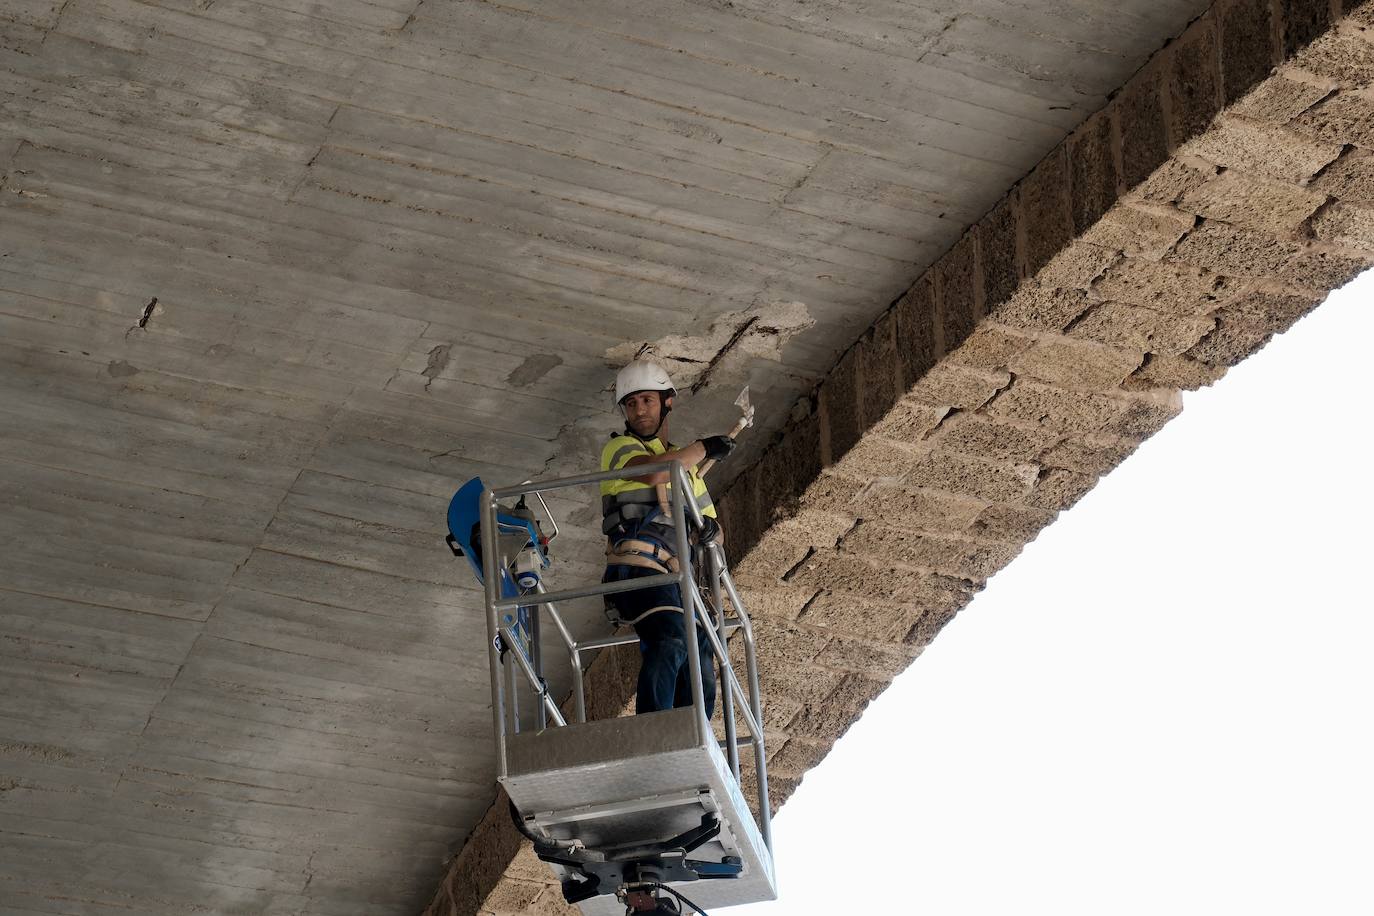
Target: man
640,541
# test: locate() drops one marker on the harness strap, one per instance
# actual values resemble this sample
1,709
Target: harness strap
635,552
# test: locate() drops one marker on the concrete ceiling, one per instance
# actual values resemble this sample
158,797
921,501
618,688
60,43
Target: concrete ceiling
274,278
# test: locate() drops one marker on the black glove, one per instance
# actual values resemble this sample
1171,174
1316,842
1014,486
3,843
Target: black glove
718,447
709,530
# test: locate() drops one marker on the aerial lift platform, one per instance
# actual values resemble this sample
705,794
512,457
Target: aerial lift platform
638,814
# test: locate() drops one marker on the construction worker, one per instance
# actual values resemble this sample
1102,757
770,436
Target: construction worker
640,541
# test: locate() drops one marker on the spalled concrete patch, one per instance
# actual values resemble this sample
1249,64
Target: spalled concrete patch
717,355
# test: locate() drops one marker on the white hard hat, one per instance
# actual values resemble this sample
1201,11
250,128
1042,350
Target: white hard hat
642,375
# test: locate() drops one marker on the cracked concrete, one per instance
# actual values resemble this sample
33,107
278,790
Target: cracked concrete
720,355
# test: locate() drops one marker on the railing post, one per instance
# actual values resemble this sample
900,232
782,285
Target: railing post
727,692
680,489
491,577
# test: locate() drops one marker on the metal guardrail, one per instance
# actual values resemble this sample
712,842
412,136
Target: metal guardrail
735,698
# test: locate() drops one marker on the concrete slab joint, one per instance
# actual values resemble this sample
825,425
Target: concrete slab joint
1219,196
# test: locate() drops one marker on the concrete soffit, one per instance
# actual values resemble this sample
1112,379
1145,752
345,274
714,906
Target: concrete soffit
1222,193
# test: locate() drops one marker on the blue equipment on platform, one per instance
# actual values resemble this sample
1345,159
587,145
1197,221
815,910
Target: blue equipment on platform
520,536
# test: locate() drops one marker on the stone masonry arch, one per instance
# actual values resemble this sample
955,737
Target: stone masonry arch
1223,192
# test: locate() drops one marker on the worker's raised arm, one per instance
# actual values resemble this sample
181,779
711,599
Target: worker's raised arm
689,456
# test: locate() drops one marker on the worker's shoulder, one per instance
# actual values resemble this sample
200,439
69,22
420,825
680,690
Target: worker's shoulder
619,448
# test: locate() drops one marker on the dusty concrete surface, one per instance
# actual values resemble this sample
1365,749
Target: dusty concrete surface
1218,198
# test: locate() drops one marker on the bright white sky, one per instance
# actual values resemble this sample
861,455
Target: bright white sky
1164,705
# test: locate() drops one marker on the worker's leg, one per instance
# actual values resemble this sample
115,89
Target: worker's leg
683,692
663,654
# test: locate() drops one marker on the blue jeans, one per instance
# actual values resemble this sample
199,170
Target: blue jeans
664,674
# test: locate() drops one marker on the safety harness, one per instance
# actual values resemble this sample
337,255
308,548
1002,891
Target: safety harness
634,524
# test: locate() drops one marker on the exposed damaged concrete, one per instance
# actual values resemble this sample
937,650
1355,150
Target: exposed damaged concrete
719,355
1211,204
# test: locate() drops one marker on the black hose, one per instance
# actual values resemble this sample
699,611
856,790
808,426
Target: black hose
682,898
529,834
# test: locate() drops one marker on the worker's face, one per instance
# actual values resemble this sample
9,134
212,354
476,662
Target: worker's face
643,409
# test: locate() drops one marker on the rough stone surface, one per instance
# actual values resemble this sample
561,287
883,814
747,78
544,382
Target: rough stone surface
1144,134
1194,82
1248,48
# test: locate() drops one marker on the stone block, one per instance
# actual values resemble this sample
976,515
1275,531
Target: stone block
1092,455
830,719
1268,206
954,556
833,492
1173,179
989,347
1344,118
1235,338
917,348
1266,150
1322,270
738,512
1194,81
787,467
884,661
997,252
815,528
839,408
1350,178
1012,523
950,385
929,626
1046,217
797,756
1248,46
1346,57
1135,327
1281,308
917,508
1144,415
878,368
958,290
529,867
781,600
777,715
512,895
1059,489
1037,307
847,574
1070,363
1176,289
1279,100
1092,171
1303,20
1347,225
1173,372
783,644
1139,114
874,458
971,434
970,476
804,684
909,421
1056,408
885,621
1140,230
1233,250
1077,265
776,553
